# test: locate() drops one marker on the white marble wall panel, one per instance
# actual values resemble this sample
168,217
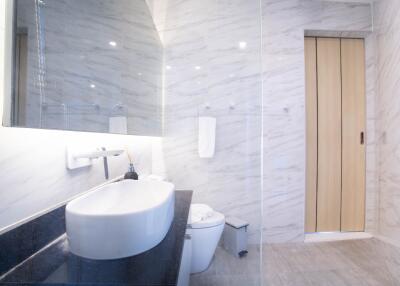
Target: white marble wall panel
372,171
206,67
284,26
387,28
34,176
206,34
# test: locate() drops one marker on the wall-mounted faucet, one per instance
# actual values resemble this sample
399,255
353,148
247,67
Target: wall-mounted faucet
78,158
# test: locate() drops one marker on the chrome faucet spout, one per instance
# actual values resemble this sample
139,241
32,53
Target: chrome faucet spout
105,161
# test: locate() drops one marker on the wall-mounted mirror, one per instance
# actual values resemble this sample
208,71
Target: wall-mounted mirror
86,65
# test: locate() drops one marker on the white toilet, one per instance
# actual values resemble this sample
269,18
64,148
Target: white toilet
207,226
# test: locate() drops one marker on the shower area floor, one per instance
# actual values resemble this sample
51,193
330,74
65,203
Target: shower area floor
353,262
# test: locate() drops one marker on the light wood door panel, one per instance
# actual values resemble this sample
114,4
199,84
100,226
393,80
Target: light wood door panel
353,125
310,47
335,105
329,134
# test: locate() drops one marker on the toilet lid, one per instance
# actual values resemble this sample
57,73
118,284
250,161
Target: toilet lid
202,216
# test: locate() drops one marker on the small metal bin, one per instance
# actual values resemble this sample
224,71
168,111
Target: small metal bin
234,238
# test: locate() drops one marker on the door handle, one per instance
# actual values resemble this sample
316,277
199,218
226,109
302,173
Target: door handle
362,138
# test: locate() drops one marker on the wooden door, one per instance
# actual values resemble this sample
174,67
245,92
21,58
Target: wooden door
353,135
335,106
329,134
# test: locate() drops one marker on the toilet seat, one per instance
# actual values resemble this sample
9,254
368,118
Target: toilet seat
202,216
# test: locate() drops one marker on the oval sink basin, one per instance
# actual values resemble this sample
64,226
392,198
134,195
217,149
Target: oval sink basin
120,219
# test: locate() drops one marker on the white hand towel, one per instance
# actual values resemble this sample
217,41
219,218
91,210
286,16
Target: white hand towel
207,128
118,125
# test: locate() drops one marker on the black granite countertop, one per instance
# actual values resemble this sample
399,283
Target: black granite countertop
55,265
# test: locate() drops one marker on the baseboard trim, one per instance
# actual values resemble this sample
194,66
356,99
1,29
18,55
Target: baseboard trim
335,236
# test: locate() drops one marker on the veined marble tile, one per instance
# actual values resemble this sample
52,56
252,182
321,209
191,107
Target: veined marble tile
35,176
387,23
284,26
210,75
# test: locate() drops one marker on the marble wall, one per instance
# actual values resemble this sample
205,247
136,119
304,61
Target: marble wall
387,23
212,58
87,80
216,66
284,26
206,35
32,162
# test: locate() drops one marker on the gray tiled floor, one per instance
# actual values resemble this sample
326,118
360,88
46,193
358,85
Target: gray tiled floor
228,270
355,262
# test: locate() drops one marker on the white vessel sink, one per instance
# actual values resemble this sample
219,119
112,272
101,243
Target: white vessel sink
120,219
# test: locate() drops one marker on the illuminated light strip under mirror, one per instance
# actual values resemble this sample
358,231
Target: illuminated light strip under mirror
70,73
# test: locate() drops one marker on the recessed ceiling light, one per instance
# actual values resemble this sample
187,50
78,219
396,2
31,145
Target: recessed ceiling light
242,45
197,68
168,67
112,44
92,86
